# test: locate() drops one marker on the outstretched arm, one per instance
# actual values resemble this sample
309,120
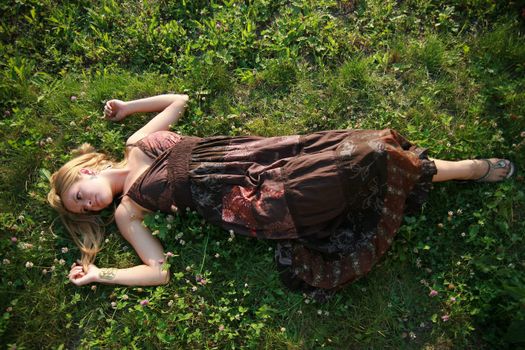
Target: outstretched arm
129,221
170,106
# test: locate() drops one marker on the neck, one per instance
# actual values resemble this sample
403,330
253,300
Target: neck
116,178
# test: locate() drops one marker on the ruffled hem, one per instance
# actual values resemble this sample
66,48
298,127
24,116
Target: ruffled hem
419,194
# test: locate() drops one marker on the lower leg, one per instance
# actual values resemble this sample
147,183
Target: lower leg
453,170
470,169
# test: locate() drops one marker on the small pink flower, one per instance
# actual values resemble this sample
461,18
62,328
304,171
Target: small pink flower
14,239
144,302
445,318
433,293
453,299
169,255
221,327
73,98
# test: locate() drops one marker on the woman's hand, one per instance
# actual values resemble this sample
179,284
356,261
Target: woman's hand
115,110
79,277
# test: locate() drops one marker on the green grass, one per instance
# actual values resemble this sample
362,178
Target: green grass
449,75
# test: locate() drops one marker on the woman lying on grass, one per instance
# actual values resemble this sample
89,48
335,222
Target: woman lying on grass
333,200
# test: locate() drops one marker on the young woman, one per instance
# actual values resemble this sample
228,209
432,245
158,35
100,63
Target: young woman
333,200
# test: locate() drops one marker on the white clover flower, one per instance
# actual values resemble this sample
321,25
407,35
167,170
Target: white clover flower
29,264
24,245
61,261
64,250
6,261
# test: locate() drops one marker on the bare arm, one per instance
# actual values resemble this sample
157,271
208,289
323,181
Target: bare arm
170,106
129,221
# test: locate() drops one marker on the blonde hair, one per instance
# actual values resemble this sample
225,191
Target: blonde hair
86,230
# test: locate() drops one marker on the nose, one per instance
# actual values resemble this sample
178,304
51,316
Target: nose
87,205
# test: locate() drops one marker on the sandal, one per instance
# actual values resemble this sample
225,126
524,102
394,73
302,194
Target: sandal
500,164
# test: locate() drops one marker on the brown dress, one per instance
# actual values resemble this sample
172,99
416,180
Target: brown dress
333,199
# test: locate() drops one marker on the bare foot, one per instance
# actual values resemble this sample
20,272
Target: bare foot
491,170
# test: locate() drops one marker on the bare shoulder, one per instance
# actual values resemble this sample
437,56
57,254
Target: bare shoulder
136,155
128,211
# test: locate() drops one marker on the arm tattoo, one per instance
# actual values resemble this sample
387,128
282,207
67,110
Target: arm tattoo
107,274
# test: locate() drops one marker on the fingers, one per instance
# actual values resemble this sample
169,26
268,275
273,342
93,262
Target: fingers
108,110
76,272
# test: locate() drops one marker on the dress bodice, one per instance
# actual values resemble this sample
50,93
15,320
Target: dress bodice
152,189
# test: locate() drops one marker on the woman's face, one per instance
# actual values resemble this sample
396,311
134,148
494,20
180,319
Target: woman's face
89,193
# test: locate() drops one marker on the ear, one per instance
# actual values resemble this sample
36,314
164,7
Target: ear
86,171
